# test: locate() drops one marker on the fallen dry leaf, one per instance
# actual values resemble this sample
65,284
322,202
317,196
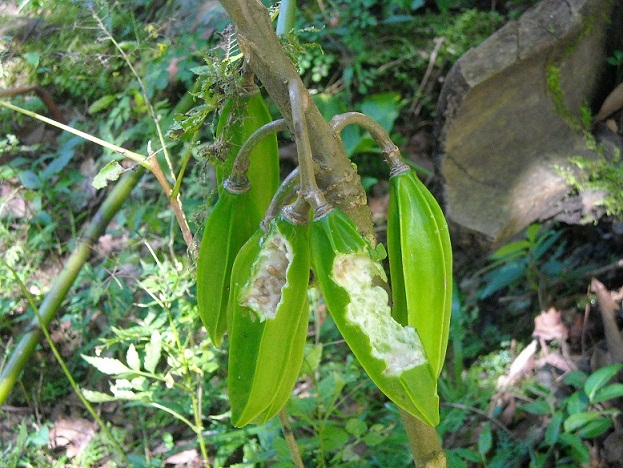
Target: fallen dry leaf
549,326
608,309
611,104
72,434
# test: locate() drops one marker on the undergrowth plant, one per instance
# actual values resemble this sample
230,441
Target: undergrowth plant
317,218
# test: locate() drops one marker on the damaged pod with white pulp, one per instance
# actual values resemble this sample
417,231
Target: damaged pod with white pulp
269,315
353,283
420,261
228,227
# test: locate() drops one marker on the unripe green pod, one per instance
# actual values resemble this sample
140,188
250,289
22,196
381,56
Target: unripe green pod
269,315
353,283
420,260
227,229
239,118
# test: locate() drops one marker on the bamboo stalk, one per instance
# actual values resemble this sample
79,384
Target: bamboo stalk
53,299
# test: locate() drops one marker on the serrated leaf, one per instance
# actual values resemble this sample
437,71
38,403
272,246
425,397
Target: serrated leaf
107,366
122,389
153,351
109,173
134,362
97,397
609,392
600,378
356,427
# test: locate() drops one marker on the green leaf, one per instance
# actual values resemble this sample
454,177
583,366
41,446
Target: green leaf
107,366
600,378
539,407
102,103
502,277
580,450
553,429
312,358
29,179
485,440
576,421
468,454
595,428
32,58
134,362
532,232
576,378
609,392
109,173
577,403
512,249
125,390
97,397
383,108
153,351
356,427
334,438
374,438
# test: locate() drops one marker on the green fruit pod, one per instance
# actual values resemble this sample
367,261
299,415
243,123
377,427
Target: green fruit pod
228,227
420,260
353,284
269,315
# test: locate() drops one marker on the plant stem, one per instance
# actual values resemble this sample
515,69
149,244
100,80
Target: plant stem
150,163
424,442
285,21
290,440
66,371
265,55
24,349
136,157
309,189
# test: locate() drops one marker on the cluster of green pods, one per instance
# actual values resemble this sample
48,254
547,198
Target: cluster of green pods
238,211
252,284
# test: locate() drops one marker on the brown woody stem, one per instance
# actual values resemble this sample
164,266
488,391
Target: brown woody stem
335,175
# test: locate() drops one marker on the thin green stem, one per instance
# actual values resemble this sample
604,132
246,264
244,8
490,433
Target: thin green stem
285,20
176,415
63,365
136,157
53,299
286,429
197,406
152,112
